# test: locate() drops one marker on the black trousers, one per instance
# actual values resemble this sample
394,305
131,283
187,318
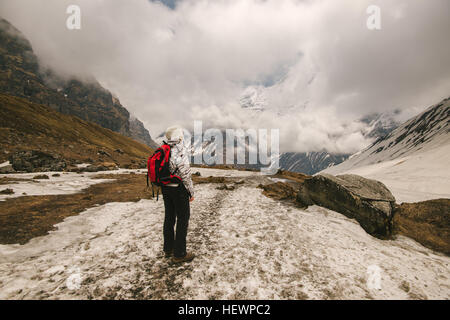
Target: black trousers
177,209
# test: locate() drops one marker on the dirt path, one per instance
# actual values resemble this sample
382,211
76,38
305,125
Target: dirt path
165,278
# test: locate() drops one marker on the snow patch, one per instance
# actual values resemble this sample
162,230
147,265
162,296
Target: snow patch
4,164
417,177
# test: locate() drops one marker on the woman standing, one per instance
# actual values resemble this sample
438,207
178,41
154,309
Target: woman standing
177,198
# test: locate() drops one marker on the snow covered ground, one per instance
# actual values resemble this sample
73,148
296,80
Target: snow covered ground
66,183
417,177
248,247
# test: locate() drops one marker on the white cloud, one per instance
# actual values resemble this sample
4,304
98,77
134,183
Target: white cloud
193,62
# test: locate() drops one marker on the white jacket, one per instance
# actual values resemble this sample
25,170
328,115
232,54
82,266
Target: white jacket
179,164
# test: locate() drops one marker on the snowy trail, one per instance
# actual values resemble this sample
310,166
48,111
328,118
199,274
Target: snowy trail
248,247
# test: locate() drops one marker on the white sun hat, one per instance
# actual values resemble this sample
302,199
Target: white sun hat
174,134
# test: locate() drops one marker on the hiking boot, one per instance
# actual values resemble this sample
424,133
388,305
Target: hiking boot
168,254
188,257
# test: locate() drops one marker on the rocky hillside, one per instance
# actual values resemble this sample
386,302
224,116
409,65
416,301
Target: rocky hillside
59,142
139,133
21,76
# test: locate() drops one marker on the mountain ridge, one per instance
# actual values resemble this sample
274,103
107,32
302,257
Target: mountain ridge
21,76
25,125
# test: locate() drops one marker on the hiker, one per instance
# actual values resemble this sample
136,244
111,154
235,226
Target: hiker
177,198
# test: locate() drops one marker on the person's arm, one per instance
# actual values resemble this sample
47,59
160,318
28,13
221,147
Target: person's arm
183,169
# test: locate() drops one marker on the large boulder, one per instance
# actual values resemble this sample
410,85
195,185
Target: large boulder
368,201
36,161
7,169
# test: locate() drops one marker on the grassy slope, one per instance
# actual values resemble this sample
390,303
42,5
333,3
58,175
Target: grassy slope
427,222
29,126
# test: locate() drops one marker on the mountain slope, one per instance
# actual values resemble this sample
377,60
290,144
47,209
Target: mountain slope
29,126
21,76
309,162
412,160
421,133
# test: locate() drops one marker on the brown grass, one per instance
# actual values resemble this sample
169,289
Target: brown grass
279,191
9,180
293,176
427,222
201,180
24,218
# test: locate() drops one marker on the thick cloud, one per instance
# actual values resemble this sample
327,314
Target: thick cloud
319,65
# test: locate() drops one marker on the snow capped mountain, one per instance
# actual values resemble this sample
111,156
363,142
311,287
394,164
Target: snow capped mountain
379,125
426,131
412,160
208,147
265,99
253,98
309,162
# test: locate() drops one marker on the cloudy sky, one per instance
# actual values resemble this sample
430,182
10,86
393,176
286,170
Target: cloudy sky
315,63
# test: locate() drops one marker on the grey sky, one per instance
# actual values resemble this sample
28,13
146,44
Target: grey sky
170,3
320,65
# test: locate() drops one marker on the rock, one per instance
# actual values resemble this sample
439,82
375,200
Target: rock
197,174
7,191
142,165
109,165
56,175
368,201
278,191
36,161
119,151
7,169
41,177
226,187
104,166
74,169
104,153
93,168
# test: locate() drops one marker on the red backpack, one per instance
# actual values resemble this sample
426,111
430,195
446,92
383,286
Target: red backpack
159,169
